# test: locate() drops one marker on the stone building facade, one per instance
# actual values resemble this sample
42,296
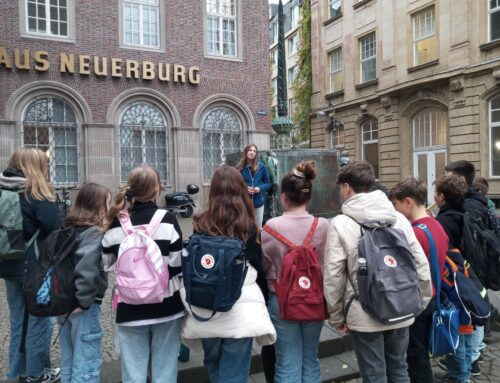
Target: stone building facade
409,85
102,86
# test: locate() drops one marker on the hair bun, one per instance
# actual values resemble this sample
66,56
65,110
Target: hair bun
308,168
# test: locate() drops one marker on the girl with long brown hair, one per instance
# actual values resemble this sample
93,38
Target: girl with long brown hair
27,175
81,333
256,178
227,337
147,331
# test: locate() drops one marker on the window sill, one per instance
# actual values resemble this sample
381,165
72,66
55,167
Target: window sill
141,48
487,46
40,36
360,4
332,19
235,59
338,93
366,84
423,66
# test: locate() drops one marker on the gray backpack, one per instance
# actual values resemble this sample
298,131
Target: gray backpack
12,244
388,288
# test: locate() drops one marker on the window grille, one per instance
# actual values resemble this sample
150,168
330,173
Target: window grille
50,124
221,27
424,36
368,54
221,136
369,143
336,70
141,22
48,17
143,139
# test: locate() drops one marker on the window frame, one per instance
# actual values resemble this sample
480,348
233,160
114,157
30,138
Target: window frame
70,23
490,12
294,16
361,60
290,74
329,5
415,41
141,6
332,73
371,120
237,32
432,129
290,40
337,133
274,62
492,125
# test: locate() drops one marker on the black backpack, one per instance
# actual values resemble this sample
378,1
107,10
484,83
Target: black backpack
213,271
481,247
388,288
49,288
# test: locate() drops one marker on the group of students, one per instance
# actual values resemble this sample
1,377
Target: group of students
150,334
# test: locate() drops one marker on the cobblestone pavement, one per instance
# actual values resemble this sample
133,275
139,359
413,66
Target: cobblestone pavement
109,353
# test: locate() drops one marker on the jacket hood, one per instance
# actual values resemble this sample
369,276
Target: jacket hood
12,179
473,193
370,209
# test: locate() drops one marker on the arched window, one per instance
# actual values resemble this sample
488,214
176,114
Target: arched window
49,124
369,143
143,139
429,146
495,136
221,136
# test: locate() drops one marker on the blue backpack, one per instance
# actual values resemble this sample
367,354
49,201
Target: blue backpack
213,271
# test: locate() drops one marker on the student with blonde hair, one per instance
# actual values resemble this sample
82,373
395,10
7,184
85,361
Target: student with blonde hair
27,174
147,331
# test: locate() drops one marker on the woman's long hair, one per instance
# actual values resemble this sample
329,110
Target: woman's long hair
230,211
90,206
244,161
33,163
143,185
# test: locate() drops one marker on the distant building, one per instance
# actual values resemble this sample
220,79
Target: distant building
105,86
409,85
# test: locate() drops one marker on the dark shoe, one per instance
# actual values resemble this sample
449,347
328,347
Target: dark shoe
442,363
480,360
475,369
50,375
442,377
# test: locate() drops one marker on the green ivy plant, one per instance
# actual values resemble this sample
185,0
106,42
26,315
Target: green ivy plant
302,86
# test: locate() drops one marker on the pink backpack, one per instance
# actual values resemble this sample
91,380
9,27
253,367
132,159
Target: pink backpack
141,272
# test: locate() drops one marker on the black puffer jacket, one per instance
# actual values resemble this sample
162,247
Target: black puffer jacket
477,205
451,217
41,215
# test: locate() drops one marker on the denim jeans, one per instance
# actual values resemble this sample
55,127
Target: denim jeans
477,340
459,364
227,360
296,348
161,341
37,355
81,350
382,355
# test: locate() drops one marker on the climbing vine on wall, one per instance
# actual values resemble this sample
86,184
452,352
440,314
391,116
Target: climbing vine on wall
302,86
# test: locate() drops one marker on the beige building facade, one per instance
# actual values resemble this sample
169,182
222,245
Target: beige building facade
408,85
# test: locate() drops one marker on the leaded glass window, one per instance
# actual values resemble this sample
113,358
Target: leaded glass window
50,124
48,17
369,143
143,139
221,27
221,136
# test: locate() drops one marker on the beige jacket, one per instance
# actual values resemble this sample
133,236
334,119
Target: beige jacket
341,258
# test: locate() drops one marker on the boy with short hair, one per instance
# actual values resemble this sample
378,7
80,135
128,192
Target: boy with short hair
380,348
409,197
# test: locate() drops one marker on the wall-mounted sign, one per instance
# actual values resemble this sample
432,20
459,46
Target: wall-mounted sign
40,61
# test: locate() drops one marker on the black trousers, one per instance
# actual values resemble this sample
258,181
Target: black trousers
417,355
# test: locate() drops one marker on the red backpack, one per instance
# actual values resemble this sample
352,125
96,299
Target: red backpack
299,287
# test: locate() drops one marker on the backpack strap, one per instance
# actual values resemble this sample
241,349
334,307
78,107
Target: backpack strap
279,237
155,221
312,230
124,219
434,264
